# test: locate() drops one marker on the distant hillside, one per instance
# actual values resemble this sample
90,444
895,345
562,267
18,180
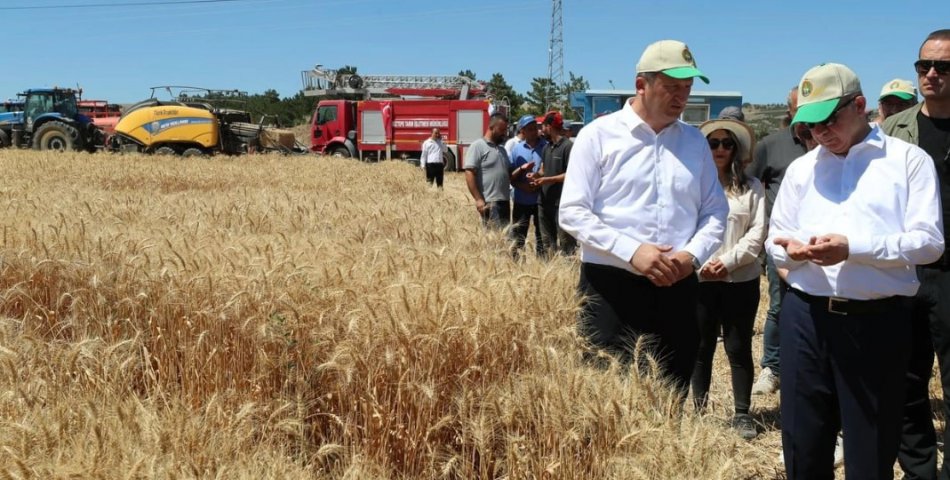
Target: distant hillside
764,119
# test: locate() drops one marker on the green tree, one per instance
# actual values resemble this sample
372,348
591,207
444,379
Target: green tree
574,84
467,73
499,88
542,95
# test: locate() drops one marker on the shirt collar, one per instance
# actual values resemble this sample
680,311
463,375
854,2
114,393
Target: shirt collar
633,121
874,139
540,144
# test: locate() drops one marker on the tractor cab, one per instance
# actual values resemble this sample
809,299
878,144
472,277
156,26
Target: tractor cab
38,103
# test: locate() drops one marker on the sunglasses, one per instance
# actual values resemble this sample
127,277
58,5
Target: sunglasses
726,143
803,134
923,67
833,118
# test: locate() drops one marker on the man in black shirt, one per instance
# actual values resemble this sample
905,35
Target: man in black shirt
555,156
928,126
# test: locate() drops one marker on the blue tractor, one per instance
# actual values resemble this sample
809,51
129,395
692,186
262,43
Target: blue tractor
49,119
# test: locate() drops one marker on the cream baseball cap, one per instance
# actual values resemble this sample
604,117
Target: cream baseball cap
670,57
821,89
900,88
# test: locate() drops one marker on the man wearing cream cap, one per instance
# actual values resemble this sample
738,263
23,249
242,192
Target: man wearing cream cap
642,197
852,220
896,96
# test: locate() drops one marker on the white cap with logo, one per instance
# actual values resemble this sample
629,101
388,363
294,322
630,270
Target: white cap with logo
821,89
670,57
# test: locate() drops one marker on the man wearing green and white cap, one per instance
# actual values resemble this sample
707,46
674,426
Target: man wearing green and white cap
642,197
852,219
896,96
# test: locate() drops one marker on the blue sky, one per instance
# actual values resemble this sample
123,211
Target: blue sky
759,48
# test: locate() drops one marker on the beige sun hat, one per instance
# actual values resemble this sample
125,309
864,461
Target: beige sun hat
740,130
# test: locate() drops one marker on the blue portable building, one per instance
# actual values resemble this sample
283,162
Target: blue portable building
701,106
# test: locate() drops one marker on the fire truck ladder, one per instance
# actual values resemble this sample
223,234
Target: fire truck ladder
319,82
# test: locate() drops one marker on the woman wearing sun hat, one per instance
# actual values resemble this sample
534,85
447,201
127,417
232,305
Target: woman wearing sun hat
729,281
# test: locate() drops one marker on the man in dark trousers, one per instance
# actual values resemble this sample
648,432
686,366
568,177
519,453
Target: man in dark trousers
556,157
642,196
525,193
852,220
928,125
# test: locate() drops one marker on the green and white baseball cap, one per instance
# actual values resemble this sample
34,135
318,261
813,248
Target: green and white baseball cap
821,89
900,88
670,57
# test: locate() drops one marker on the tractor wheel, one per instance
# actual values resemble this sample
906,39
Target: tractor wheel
340,152
4,139
57,136
165,151
193,152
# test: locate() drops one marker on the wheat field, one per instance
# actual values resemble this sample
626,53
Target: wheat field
310,318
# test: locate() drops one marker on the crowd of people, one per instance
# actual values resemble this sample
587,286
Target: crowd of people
676,224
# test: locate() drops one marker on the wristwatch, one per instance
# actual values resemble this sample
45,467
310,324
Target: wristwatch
696,264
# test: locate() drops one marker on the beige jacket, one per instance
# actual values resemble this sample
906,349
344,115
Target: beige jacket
746,229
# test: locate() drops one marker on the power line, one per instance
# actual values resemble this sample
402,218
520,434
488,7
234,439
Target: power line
131,4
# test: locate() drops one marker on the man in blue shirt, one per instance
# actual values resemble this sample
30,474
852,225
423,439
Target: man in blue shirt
526,191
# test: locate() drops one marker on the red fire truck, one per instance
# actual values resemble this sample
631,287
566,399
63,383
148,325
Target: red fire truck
395,127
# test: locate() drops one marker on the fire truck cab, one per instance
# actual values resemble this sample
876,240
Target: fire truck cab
395,129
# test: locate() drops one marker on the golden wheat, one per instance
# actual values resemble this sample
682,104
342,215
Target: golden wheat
308,317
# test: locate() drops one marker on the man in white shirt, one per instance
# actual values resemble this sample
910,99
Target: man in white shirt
642,197
433,161
851,221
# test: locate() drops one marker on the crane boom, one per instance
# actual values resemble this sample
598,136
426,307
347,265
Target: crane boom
320,81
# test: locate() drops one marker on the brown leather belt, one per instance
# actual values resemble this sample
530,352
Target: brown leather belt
847,306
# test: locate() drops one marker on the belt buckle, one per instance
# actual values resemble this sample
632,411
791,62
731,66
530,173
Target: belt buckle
837,301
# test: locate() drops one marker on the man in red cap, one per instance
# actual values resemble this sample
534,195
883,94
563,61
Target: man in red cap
555,158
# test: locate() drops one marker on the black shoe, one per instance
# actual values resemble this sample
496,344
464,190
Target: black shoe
744,426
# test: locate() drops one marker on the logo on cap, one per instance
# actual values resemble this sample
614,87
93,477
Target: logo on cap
806,88
895,84
688,57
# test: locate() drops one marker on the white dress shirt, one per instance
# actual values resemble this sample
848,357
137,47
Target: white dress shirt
627,185
746,229
882,196
432,151
510,144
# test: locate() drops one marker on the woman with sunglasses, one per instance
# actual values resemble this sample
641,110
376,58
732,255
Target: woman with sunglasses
729,282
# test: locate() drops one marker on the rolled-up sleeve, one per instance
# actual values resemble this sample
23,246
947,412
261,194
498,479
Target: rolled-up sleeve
922,240
747,249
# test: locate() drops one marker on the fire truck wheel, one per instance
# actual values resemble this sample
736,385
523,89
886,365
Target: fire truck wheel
165,151
193,152
450,162
340,152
